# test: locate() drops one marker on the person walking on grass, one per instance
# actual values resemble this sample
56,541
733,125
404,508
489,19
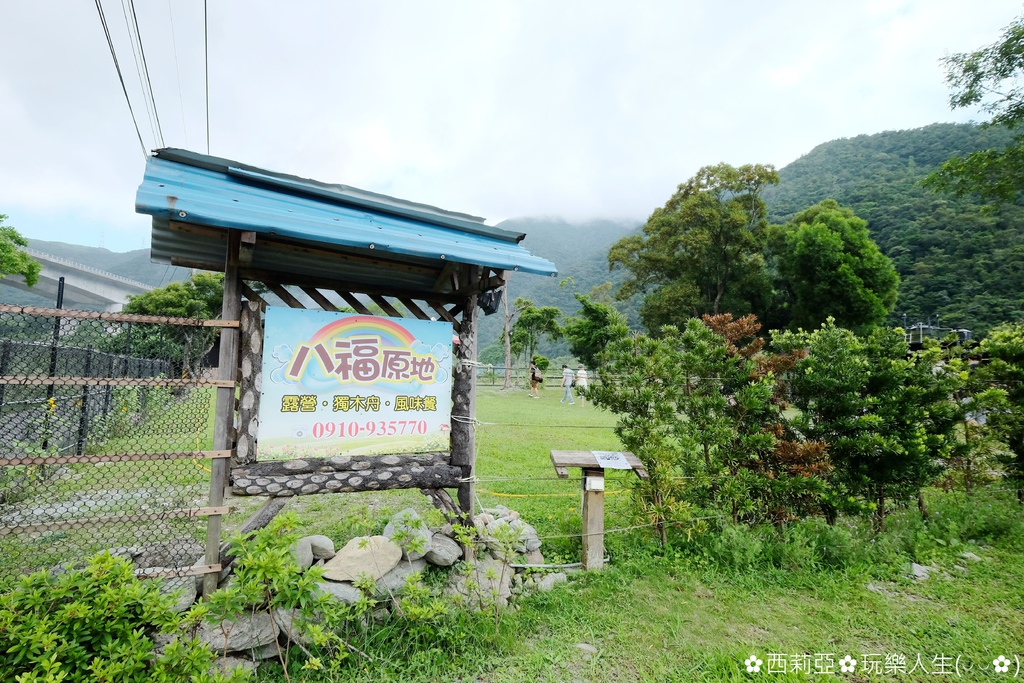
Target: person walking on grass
567,382
535,378
581,384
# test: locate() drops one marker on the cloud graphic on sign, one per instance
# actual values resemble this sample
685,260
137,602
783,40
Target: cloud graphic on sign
282,353
440,351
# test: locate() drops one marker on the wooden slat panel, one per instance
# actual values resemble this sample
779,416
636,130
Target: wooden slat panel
414,309
276,277
284,295
386,305
113,519
445,279
114,317
321,300
354,303
251,294
114,457
445,315
113,382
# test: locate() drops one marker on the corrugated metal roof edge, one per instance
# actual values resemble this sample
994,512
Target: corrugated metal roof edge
343,194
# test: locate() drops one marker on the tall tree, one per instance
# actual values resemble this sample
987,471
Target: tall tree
702,251
991,78
1005,349
883,413
508,318
200,296
13,259
830,267
534,323
591,329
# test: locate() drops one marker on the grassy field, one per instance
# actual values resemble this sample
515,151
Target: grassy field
697,609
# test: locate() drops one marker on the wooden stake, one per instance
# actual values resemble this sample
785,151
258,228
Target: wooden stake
593,519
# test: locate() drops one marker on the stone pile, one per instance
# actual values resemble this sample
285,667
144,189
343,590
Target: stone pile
504,548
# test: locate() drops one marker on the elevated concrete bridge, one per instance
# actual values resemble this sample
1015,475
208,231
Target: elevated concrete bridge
83,285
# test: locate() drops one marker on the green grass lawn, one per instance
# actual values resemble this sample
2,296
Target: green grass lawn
682,613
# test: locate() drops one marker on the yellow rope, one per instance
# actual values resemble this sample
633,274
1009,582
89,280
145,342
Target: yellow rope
540,495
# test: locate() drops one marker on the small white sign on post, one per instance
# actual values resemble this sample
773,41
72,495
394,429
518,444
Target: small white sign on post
612,460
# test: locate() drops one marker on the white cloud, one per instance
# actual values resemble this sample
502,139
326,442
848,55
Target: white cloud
500,109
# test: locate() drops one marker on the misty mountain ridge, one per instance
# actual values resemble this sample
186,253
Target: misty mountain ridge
956,262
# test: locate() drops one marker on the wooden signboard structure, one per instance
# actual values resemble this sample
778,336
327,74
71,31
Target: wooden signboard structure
593,464
331,247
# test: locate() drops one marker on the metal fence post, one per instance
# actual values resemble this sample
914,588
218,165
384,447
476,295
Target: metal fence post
5,366
83,415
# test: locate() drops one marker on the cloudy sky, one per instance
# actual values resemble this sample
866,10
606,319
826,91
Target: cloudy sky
595,108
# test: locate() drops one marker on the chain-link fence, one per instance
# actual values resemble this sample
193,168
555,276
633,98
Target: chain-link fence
106,427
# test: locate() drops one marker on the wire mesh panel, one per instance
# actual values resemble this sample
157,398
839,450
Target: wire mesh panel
106,428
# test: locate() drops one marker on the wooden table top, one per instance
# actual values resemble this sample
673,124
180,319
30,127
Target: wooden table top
562,460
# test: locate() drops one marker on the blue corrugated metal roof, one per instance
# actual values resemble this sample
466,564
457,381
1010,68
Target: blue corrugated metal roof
193,188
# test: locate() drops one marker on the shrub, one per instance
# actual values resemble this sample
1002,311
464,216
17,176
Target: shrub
96,624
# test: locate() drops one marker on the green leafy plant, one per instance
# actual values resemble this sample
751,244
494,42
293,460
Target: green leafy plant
96,624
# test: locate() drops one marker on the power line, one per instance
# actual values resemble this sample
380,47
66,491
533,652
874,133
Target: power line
138,70
177,71
206,58
120,77
145,68
148,90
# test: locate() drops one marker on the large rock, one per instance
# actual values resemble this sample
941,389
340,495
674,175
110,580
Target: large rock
444,551
303,552
921,572
523,536
489,581
184,587
248,632
226,665
372,556
322,547
548,582
293,625
414,534
340,591
393,582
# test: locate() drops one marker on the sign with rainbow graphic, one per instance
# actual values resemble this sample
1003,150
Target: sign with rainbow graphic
346,384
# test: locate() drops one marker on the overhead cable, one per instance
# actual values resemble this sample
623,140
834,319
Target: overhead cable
120,76
177,72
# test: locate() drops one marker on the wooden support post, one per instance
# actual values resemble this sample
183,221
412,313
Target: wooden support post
593,519
224,426
464,399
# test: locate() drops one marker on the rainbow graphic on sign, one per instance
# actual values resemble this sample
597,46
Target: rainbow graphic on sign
348,384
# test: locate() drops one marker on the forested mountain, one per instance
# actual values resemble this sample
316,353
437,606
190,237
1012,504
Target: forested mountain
955,260
580,250
134,265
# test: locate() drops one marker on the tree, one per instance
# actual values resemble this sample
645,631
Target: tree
703,251
883,413
13,259
702,407
591,329
508,318
830,267
1005,349
993,79
534,323
200,296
